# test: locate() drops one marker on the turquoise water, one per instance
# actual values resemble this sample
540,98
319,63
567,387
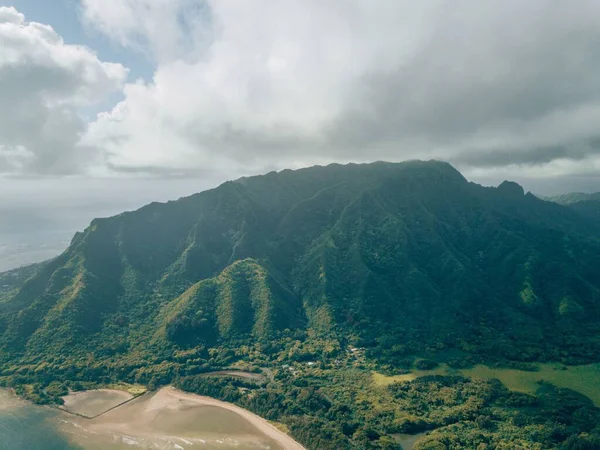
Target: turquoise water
25,427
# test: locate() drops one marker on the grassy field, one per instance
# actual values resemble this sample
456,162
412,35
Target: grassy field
583,379
134,389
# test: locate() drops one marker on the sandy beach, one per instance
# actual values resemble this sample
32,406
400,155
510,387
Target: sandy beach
92,403
172,419
265,427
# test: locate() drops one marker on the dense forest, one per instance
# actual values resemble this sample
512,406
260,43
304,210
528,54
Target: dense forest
321,276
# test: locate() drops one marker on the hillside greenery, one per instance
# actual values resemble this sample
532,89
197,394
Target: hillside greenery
349,268
587,205
456,412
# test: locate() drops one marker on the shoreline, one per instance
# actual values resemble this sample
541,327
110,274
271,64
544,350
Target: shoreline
78,403
137,419
165,398
285,440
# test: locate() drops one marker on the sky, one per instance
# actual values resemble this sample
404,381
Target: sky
106,105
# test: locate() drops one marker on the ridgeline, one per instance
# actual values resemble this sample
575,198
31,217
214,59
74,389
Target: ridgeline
392,260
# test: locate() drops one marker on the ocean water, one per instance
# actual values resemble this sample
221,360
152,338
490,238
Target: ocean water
17,250
179,426
27,427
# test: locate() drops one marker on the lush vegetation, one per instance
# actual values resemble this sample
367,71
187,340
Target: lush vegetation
349,268
11,281
333,408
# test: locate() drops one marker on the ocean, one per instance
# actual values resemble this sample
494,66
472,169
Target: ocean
28,427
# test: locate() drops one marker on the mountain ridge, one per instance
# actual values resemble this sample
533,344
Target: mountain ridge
320,277
415,230
586,205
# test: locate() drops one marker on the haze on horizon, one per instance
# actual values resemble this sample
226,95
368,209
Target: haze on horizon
112,104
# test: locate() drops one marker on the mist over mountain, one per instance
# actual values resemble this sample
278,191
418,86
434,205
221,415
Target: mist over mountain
585,204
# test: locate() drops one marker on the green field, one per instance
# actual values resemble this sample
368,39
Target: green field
583,379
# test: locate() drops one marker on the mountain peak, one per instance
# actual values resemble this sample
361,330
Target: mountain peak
511,188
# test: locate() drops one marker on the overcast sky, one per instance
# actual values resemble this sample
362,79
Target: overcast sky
108,104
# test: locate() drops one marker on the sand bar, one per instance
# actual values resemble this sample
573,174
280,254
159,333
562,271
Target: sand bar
172,419
265,427
93,403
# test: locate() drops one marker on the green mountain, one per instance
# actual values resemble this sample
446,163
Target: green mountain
407,254
587,205
574,197
321,276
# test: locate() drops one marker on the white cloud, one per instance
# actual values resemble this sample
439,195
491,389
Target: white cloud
43,84
163,29
242,87
11,15
274,76
248,86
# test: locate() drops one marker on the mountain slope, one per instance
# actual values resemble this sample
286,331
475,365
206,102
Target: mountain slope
400,257
574,197
243,300
587,205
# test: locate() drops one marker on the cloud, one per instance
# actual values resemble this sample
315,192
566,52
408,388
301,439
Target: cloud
44,83
265,88
508,78
164,30
240,86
